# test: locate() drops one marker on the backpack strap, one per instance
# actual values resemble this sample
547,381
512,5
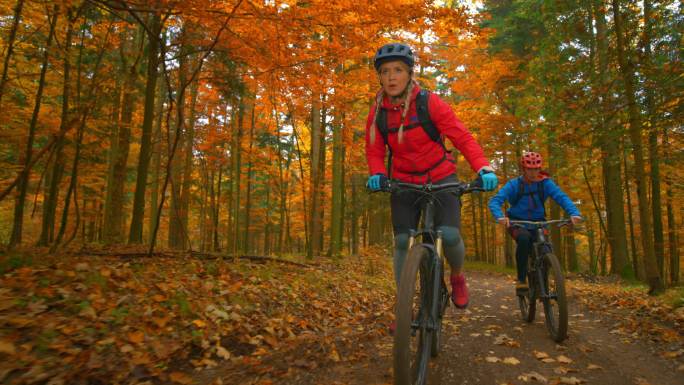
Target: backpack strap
424,117
423,120
381,122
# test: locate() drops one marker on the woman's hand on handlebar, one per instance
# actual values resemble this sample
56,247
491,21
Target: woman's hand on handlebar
377,182
576,220
504,222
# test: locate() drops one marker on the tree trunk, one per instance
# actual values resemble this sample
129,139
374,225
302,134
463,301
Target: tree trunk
316,143
176,230
156,159
653,275
55,174
248,199
656,209
18,223
610,159
186,186
671,223
10,45
336,214
237,176
637,265
153,48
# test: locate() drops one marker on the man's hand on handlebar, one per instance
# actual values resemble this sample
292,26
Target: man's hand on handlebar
504,222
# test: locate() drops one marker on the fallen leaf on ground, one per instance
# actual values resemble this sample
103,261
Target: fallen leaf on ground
571,380
180,378
532,376
564,360
136,337
511,361
7,347
540,355
593,367
492,359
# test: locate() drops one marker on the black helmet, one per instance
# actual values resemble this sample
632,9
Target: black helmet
393,51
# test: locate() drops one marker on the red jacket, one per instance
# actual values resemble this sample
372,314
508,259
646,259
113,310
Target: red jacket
418,153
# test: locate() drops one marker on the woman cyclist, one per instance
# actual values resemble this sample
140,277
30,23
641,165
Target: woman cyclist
394,124
526,195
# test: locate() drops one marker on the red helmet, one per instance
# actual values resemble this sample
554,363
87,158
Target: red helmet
531,160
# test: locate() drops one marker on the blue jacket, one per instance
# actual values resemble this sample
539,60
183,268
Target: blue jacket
529,207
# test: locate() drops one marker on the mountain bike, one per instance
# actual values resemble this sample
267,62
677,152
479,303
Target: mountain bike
545,281
423,295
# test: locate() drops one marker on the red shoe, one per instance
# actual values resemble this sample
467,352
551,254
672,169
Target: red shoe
392,328
459,291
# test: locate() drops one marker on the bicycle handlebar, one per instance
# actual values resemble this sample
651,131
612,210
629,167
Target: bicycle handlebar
459,187
560,222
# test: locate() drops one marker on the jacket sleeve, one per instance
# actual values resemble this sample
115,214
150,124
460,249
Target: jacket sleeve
450,126
500,198
375,152
551,189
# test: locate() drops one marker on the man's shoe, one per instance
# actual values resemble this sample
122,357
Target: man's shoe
459,290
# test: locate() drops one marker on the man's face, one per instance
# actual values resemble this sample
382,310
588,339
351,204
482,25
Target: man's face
531,174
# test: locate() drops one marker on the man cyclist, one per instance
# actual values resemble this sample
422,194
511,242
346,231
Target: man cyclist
394,124
526,195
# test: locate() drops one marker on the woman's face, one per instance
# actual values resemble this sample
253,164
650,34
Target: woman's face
394,77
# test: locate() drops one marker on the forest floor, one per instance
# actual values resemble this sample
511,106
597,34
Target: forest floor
121,318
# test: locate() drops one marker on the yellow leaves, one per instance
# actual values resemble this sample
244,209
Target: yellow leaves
7,347
137,337
199,323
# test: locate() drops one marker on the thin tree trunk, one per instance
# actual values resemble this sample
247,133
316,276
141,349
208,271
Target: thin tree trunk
138,215
316,143
250,163
156,160
656,209
18,224
610,159
671,223
10,45
55,175
654,280
237,176
637,266
336,217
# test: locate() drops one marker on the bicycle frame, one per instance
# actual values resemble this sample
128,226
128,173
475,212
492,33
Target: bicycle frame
540,247
432,240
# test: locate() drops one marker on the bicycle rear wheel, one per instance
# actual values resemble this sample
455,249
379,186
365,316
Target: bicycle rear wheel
412,337
555,303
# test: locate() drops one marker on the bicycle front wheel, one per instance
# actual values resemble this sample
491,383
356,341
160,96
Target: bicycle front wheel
412,337
555,303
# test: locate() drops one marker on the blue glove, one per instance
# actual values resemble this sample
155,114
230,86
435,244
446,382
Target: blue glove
376,182
489,180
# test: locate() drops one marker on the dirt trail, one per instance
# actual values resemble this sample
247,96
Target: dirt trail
593,354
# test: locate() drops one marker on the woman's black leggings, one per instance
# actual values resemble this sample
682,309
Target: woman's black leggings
406,214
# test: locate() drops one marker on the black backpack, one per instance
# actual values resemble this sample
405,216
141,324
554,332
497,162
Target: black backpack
423,121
